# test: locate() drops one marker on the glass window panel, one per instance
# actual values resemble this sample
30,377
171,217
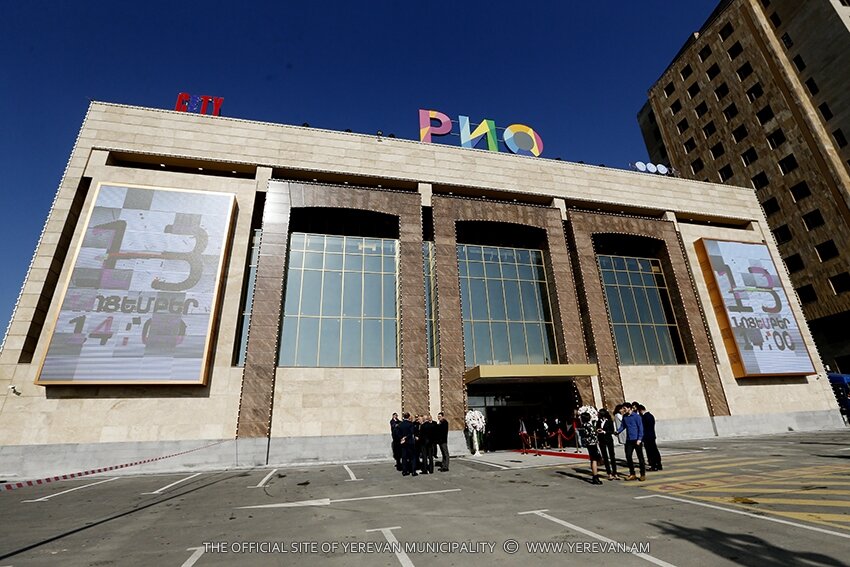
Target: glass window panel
353,263
543,293
296,259
372,263
645,265
352,305
526,272
632,264
315,242
287,341
624,348
475,269
372,295
609,277
652,348
648,280
350,343
308,342
483,350
390,344
389,247
669,317
461,253
329,344
623,278
551,353
478,295
372,246
619,263
474,253
490,254
534,332
313,260
519,354
536,257
501,346
530,302
332,294
615,306
507,255
353,245
655,307
636,278
638,348
606,263
333,261
468,344
668,355
293,292
659,280
540,273
334,244
512,301
311,294
629,308
523,256
372,343
389,296
491,269
464,299
461,267
497,300
509,271
644,313
296,241
389,264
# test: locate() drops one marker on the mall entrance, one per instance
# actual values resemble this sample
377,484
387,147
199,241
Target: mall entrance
504,404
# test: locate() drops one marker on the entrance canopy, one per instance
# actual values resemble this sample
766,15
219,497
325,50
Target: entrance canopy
527,373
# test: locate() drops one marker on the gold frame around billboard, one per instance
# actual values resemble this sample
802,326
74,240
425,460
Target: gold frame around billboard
722,315
203,377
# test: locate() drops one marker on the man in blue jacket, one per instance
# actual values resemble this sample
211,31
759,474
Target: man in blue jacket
633,424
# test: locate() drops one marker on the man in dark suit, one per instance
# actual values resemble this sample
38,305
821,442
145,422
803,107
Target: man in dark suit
442,440
427,433
396,444
653,455
407,439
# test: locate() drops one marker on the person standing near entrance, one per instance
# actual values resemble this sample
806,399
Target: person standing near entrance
633,426
442,440
396,445
653,455
407,438
605,429
587,431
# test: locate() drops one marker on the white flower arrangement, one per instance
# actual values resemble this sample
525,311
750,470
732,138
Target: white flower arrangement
475,420
590,410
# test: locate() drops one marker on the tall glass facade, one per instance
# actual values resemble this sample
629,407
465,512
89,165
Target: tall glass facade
248,292
430,267
341,302
507,316
645,329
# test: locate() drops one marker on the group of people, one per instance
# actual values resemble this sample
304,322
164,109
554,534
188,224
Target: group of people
544,433
598,437
415,441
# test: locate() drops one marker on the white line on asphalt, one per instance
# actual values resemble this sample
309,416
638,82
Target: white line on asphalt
400,554
845,449
351,474
742,513
594,535
44,499
491,464
327,501
265,480
173,484
194,557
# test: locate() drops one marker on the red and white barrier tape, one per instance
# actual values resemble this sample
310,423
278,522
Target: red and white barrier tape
16,485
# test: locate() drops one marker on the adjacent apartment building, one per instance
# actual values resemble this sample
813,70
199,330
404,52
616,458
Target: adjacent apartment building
759,98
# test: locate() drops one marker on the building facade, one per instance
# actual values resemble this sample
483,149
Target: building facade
281,291
757,98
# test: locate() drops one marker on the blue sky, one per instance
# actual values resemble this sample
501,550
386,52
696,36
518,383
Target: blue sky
577,72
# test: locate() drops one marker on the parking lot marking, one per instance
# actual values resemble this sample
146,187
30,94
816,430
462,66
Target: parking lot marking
491,464
674,479
743,513
351,474
594,535
44,499
265,480
400,554
198,551
738,464
164,488
328,501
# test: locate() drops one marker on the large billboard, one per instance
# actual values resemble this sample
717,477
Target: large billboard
142,297
759,328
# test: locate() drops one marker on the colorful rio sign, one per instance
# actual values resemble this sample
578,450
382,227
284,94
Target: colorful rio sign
519,138
198,103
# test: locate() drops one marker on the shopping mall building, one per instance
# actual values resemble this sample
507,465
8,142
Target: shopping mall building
204,279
